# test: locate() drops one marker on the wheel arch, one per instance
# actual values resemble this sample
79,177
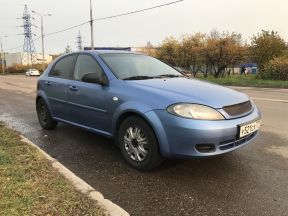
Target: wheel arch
154,122
126,115
42,95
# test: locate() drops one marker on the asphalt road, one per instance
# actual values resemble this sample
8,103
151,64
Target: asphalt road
250,181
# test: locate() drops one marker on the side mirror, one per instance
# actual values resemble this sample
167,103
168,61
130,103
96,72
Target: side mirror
94,78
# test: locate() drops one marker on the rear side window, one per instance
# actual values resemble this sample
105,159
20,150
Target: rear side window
86,64
64,67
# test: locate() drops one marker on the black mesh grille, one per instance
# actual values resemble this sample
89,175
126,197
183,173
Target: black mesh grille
238,109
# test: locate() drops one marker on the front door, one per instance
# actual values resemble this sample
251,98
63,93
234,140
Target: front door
88,101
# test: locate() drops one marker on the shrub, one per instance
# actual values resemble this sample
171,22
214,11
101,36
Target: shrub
276,69
19,68
265,46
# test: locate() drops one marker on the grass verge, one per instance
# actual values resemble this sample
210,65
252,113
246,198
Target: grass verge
246,80
30,186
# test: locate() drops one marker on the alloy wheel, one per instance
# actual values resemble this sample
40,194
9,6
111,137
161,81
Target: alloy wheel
136,144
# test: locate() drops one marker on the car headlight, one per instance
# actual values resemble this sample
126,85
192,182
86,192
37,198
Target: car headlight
195,111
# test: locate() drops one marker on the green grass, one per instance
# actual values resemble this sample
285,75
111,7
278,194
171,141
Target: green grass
30,186
246,80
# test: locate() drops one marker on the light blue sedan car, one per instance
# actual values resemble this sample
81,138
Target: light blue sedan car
150,109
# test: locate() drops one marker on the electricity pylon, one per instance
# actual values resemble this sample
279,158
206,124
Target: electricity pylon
29,55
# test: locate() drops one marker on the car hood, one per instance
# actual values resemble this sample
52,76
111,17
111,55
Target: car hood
184,90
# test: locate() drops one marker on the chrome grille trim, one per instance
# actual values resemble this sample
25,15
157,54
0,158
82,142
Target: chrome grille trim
225,145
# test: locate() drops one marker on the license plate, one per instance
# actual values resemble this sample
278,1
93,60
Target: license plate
249,128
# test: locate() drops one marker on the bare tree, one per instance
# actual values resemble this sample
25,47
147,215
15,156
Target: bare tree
168,51
190,49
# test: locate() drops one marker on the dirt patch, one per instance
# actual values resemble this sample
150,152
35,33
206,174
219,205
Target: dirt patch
281,151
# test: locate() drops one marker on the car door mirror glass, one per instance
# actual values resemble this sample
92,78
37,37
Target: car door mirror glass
94,78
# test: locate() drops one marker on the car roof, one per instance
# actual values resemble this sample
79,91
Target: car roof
97,52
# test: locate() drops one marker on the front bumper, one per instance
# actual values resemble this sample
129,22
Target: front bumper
179,137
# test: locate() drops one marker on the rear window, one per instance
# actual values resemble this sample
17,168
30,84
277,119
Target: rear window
64,67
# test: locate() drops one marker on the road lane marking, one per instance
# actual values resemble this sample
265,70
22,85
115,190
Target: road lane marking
270,99
284,90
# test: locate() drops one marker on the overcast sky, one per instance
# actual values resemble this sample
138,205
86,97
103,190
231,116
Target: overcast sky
246,17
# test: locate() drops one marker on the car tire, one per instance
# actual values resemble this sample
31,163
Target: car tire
44,116
138,144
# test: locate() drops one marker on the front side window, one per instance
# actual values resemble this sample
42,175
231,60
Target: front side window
86,64
129,66
64,67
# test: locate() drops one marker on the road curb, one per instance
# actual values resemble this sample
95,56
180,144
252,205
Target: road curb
110,208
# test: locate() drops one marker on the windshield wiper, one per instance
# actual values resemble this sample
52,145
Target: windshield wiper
167,75
152,77
138,78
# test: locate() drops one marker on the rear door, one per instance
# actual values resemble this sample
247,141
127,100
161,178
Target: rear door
56,85
88,101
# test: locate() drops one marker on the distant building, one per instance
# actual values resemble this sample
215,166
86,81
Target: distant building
54,56
16,58
250,68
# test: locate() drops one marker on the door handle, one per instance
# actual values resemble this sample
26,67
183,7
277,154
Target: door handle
47,83
73,88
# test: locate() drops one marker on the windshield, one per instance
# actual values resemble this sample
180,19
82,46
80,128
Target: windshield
135,66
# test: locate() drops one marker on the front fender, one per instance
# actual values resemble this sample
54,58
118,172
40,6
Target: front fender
128,107
159,131
150,116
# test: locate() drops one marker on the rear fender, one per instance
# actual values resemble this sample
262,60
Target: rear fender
41,94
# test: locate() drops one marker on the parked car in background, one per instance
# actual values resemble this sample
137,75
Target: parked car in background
150,109
32,72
